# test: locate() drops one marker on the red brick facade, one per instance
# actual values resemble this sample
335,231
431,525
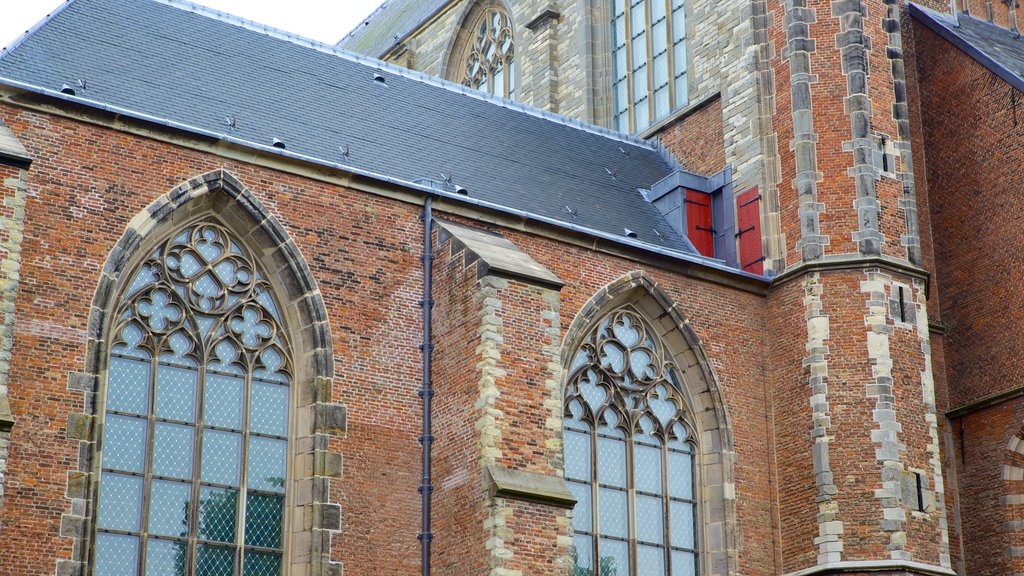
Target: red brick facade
858,413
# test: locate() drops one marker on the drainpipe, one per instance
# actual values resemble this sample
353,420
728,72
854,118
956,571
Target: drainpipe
427,391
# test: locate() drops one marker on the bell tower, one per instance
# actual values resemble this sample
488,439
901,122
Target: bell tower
860,475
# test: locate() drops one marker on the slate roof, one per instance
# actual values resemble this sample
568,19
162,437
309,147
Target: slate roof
174,61
376,34
997,48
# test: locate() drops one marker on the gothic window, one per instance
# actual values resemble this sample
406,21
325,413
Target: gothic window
648,61
490,63
629,455
195,432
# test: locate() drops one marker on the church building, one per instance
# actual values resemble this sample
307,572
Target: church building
514,288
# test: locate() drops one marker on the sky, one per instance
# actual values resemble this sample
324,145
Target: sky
324,20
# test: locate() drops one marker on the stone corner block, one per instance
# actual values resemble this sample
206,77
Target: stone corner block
529,487
331,419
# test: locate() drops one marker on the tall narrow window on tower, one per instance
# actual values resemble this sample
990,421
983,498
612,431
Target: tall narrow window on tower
490,61
648,61
630,454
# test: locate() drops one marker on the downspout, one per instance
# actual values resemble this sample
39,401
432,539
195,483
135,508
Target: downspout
427,391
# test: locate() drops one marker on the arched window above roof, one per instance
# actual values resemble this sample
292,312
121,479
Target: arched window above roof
489,58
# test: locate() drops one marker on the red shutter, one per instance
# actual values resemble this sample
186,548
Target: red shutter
698,222
748,216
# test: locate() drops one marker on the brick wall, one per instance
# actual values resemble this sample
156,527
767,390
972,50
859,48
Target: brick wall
697,139
88,182
972,199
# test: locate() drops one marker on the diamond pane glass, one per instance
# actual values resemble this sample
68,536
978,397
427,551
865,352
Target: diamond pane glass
176,392
169,504
263,520
680,475
650,519
577,455
173,445
116,554
217,509
262,564
684,564
614,513
128,385
614,557
267,464
681,524
120,502
222,400
611,457
124,443
647,468
650,561
165,558
221,457
583,512
214,561
268,409
583,555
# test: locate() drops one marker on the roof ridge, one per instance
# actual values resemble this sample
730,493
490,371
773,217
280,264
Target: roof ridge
331,49
4,51
363,22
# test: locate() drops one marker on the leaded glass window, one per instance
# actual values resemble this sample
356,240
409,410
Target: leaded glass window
629,455
648,61
195,434
490,64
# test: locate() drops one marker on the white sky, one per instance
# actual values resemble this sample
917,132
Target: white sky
324,20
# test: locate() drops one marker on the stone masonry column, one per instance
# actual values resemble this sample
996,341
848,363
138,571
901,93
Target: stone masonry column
860,480
14,165
501,506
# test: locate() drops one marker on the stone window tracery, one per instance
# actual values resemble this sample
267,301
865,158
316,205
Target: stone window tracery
648,61
629,454
489,66
194,449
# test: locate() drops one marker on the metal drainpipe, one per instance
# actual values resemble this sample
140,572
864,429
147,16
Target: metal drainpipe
427,391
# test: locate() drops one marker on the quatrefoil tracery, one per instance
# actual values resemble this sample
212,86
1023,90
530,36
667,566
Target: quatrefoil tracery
198,297
620,378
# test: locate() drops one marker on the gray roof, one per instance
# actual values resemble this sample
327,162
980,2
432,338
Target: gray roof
392,18
193,68
994,47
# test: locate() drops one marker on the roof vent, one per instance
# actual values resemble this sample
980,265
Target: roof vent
614,174
574,213
629,233
624,151
345,150
379,79
231,121
461,190
65,89
279,144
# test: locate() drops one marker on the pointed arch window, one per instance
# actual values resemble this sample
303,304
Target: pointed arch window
629,455
490,63
194,448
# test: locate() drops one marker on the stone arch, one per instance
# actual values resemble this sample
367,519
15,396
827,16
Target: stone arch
1013,497
460,42
715,447
220,197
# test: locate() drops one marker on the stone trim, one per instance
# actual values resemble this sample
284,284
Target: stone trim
931,418
889,450
854,45
893,567
546,15
830,530
13,191
799,47
902,145
218,195
985,402
497,256
716,457
846,262
529,487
